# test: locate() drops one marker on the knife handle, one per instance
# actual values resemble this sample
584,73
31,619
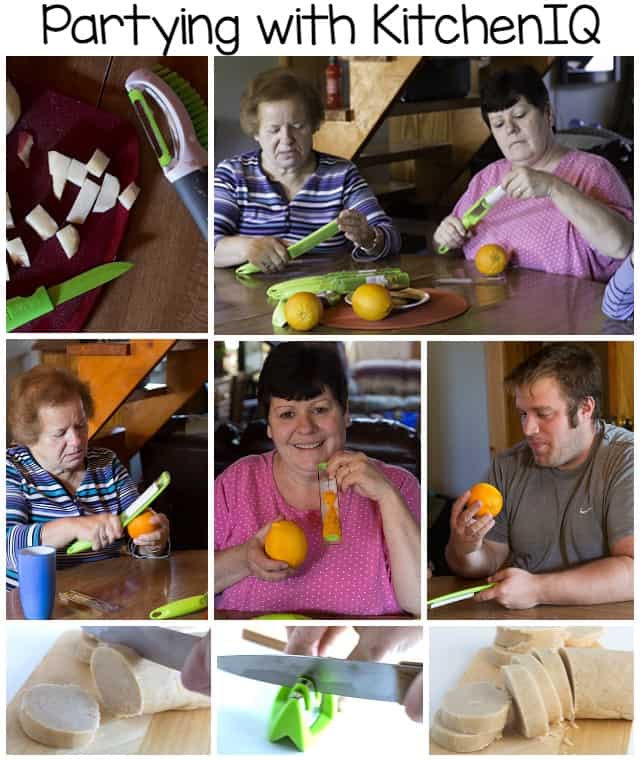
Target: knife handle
407,671
23,309
179,608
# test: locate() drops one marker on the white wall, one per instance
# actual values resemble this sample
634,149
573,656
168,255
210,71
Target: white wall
230,75
458,431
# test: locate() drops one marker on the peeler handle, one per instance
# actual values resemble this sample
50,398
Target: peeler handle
193,190
179,608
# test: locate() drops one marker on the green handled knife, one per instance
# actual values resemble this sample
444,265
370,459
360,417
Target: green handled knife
23,309
137,507
182,607
461,594
297,249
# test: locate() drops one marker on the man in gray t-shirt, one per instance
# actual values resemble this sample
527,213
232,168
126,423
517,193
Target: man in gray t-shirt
565,533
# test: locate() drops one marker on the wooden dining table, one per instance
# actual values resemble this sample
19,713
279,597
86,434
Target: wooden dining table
130,587
469,609
520,302
167,288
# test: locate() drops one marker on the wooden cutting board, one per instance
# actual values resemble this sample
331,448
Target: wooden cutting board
171,732
587,736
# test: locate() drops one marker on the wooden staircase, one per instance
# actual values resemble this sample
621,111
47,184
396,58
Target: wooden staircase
429,145
127,415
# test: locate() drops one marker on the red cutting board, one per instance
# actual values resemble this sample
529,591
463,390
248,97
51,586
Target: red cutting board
65,124
442,305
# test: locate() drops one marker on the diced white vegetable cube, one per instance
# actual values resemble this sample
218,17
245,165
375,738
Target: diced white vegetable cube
10,224
77,173
25,144
98,163
58,169
108,193
128,196
69,239
18,253
84,202
42,222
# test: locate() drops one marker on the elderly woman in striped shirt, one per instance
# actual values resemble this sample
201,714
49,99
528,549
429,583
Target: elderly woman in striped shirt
59,490
284,190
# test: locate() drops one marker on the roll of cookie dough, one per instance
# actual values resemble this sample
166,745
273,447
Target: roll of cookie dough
524,639
583,636
554,666
477,707
602,682
459,742
545,685
530,708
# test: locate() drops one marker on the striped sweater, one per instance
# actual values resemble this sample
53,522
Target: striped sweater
618,295
248,203
35,497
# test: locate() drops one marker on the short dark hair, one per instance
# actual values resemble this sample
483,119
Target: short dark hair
42,386
503,88
275,85
573,366
301,370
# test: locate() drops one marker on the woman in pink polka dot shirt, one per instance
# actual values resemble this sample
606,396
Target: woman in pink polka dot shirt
565,211
375,569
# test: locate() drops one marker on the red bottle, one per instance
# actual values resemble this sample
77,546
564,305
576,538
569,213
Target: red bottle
333,77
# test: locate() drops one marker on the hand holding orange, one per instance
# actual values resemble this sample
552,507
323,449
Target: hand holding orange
489,497
286,541
143,524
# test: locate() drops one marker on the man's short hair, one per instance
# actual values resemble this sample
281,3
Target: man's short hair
573,366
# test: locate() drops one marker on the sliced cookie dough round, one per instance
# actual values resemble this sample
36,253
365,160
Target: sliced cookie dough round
530,709
602,682
555,668
545,685
59,715
523,639
583,636
459,742
476,707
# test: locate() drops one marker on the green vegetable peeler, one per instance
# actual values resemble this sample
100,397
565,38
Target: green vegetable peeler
182,607
479,210
300,713
297,249
137,507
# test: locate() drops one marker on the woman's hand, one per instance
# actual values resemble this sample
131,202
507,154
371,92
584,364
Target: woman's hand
522,183
155,540
100,530
269,254
450,233
260,564
355,470
355,227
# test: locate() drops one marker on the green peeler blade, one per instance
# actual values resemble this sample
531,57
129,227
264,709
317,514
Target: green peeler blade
297,249
300,713
183,607
137,507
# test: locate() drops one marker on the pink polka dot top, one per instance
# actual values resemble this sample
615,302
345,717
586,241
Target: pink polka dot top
349,578
540,237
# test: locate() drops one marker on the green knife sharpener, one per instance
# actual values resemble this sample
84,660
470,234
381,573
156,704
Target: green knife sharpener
300,713
22,309
182,607
297,249
133,511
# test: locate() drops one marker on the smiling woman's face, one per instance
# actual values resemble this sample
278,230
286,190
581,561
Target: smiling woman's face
63,440
523,132
307,432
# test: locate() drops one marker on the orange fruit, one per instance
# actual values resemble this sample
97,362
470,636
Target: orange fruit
143,524
286,541
371,301
303,310
491,259
489,497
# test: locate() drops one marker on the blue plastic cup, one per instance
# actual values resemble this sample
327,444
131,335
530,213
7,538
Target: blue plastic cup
37,579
